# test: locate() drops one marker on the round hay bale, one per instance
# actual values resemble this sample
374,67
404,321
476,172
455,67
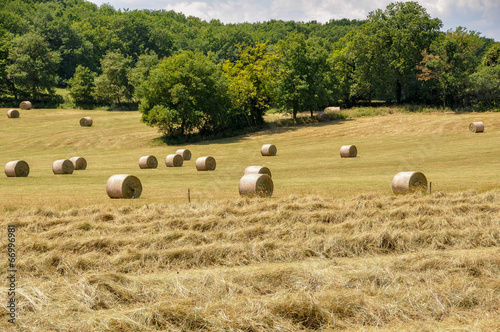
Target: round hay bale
86,121
25,105
476,127
322,117
174,160
348,151
185,153
17,168
123,186
256,185
148,162
79,163
332,109
257,170
205,164
407,182
63,166
268,150
13,114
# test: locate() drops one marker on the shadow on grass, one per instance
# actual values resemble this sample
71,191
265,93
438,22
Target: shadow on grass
271,127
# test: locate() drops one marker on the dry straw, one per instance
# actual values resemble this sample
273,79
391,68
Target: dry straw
12,114
25,105
476,127
185,153
86,121
322,117
174,160
148,162
260,185
79,163
257,170
205,164
17,168
408,182
268,150
63,166
123,186
348,151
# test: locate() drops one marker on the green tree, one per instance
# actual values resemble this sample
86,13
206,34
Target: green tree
251,81
399,34
449,63
302,78
112,86
82,86
33,64
186,93
143,67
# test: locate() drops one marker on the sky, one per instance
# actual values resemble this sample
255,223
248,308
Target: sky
478,15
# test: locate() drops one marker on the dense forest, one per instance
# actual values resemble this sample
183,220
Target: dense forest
187,75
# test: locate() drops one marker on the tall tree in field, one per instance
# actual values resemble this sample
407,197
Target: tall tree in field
399,35
33,64
112,86
484,85
82,86
251,82
185,93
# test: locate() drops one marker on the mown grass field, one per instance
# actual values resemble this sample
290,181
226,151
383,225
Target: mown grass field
332,249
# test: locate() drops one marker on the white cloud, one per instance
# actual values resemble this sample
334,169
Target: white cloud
478,15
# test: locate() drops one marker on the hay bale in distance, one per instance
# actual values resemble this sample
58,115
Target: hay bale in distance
63,166
86,121
79,163
17,168
322,117
408,182
148,162
260,185
348,151
25,105
174,160
205,164
13,114
185,153
268,150
476,127
257,170
123,186
332,109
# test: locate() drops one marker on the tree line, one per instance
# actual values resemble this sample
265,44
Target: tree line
191,76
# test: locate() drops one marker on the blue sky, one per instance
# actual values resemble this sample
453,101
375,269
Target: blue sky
479,15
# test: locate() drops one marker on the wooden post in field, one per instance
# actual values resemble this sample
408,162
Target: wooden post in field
430,188
189,195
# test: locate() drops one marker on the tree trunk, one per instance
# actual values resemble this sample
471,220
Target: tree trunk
398,92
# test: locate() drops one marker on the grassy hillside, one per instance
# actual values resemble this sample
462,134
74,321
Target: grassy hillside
308,162
333,249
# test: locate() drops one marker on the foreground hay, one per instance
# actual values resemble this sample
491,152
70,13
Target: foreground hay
379,263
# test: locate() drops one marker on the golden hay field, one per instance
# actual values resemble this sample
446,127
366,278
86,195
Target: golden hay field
333,249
